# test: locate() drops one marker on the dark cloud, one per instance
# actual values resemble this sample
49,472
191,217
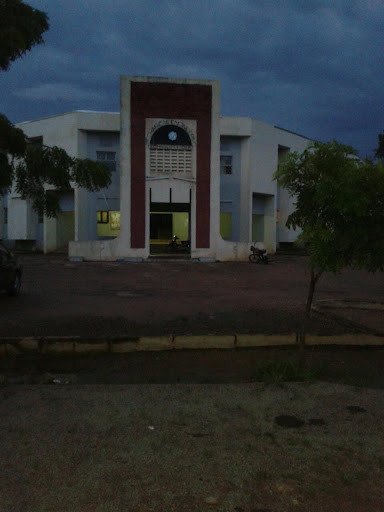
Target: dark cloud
313,67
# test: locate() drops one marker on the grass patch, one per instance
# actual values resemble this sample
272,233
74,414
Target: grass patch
277,372
380,462
262,475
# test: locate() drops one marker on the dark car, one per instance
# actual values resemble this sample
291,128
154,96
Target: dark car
10,272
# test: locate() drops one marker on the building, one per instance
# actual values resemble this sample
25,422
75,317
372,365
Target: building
178,168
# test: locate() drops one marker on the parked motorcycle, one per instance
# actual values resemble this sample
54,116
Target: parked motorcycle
258,255
175,246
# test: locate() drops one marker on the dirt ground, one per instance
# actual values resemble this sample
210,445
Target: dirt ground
191,448
162,297
185,431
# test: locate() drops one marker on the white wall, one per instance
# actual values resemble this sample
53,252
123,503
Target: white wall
66,131
21,219
286,203
62,130
259,160
263,158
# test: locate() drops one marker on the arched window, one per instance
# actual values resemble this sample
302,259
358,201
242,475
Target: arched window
170,151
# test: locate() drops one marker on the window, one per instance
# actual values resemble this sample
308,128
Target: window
170,151
107,140
257,228
40,218
5,215
115,221
108,158
170,135
225,164
103,217
226,225
108,223
170,159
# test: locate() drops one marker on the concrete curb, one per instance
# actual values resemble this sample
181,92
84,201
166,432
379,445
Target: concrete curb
77,346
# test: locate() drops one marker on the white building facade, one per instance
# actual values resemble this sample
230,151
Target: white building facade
177,168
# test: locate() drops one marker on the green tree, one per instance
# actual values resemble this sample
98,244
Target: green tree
21,27
339,207
379,152
28,167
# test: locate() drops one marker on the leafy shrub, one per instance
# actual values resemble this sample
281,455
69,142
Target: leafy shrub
276,372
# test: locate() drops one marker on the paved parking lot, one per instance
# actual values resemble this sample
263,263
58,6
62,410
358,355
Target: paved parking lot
183,297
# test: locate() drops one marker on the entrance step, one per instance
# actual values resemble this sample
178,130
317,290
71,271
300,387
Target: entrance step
170,256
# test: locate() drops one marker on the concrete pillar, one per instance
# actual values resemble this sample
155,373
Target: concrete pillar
245,194
81,195
270,224
215,171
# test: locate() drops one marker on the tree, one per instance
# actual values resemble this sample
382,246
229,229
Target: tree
31,168
28,167
21,27
379,153
339,206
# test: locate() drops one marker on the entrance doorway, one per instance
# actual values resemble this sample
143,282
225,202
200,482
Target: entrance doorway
65,229
166,221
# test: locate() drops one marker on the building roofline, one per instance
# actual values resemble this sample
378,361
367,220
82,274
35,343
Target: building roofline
118,113
68,113
97,112
168,79
293,133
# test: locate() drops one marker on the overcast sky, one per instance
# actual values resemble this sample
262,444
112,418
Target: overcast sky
311,66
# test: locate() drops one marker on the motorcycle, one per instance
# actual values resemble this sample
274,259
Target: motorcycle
258,255
175,246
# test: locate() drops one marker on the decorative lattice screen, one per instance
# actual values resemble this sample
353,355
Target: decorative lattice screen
171,159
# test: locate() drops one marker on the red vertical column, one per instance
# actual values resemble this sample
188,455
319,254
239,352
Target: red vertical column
166,100
203,185
138,203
